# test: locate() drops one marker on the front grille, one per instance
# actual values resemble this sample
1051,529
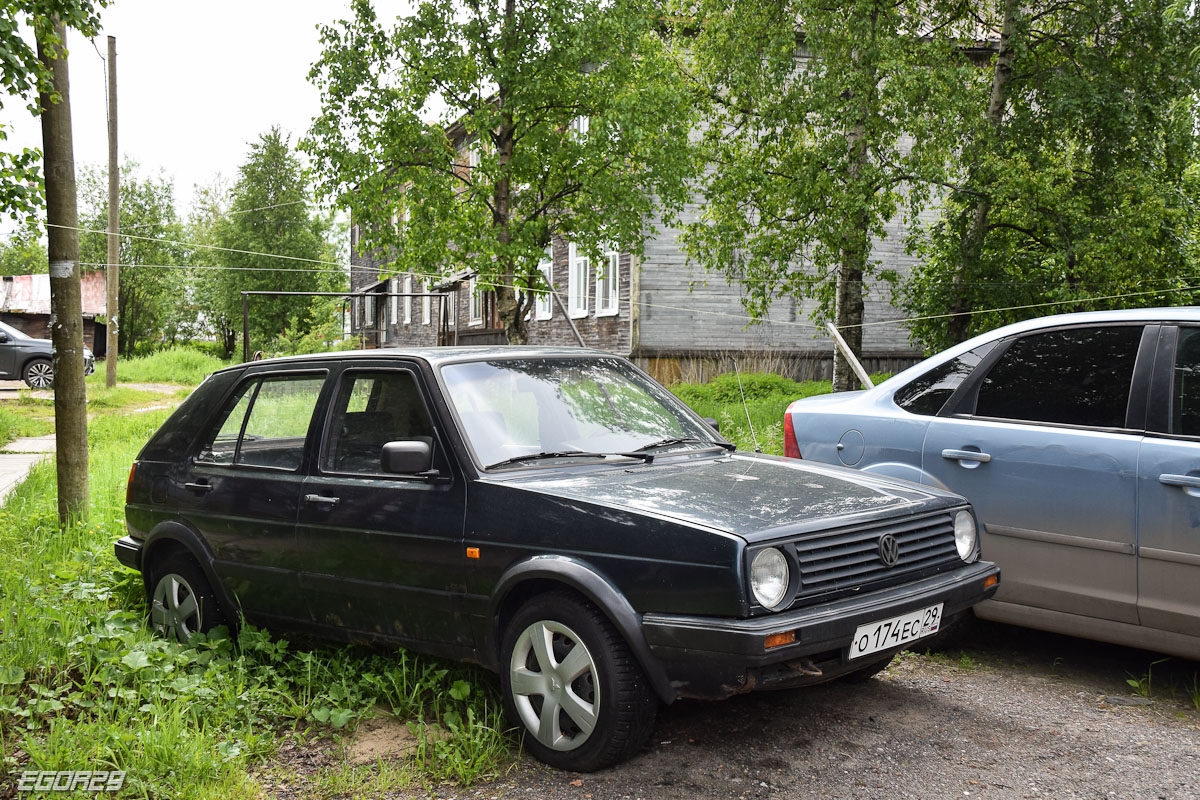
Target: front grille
846,558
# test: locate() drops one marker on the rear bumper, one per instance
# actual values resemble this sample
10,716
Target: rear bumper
129,551
712,658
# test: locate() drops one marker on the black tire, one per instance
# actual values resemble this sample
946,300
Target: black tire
38,374
605,685
181,600
865,674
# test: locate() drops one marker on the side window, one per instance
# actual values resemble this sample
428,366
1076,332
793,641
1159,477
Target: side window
1185,395
221,447
370,410
1079,376
266,424
928,393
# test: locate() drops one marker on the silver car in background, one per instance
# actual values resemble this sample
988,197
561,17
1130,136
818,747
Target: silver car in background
1077,439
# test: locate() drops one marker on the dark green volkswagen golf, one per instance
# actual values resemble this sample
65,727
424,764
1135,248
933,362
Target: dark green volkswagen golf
552,514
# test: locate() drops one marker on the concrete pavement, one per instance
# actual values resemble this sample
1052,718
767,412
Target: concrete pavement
20,456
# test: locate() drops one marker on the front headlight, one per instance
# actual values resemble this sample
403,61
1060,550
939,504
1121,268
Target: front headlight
966,536
769,577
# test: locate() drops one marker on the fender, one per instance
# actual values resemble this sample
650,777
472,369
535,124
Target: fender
581,577
181,534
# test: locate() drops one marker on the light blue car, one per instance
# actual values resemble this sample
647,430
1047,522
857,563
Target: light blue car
1077,439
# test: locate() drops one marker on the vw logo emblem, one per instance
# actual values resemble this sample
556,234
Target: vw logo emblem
889,550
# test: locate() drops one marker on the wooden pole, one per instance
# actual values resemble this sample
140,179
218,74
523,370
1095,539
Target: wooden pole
66,309
112,279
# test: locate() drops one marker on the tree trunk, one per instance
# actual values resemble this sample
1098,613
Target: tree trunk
972,244
66,309
510,310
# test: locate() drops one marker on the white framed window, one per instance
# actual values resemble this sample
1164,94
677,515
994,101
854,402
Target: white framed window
392,286
577,282
408,283
608,295
580,127
473,154
475,311
426,314
543,306
369,311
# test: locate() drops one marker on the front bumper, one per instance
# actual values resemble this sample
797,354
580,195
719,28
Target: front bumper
713,658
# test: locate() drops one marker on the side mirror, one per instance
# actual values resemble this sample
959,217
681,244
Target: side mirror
712,423
409,457
3,337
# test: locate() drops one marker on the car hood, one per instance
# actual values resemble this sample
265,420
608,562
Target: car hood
756,497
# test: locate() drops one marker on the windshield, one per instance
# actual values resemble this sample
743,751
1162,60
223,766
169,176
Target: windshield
12,332
513,408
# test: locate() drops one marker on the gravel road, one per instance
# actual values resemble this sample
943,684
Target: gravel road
1015,714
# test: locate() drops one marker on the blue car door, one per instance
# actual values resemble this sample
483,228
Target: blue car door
1041,441
1169,490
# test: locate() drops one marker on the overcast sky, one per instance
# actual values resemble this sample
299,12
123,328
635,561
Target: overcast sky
196,82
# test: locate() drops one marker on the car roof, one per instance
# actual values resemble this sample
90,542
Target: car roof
436,356
1166,314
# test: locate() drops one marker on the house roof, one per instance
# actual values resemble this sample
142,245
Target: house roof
30,294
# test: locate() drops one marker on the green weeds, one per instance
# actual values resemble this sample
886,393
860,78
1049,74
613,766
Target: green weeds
83,684
1144,685
181,365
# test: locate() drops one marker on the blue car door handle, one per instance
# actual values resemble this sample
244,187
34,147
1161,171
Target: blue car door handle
966,455
1185,481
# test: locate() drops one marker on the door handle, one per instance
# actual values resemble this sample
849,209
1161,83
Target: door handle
1183,481
199,488
966,455
320,499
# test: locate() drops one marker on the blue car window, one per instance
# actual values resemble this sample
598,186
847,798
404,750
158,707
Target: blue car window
1185,406
928,393
1076,376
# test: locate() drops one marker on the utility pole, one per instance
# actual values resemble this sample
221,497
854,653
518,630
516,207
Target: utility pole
66,308
112,276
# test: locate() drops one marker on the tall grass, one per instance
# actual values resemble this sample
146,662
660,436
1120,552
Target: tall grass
181,365
767,397
84,685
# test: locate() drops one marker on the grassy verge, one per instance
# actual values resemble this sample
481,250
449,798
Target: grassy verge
83,684
178,365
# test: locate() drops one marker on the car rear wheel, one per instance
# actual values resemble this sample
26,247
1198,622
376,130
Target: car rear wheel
572,685
182,602
38,374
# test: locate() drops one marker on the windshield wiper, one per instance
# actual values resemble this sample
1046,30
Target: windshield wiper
685,440
567,454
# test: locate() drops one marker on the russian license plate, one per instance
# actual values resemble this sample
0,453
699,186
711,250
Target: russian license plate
875,636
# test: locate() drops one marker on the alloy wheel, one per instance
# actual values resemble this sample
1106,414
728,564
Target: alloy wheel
40,375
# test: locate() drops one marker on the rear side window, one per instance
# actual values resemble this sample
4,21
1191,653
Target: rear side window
265,423
1078,376
927,394
1185,401
370,410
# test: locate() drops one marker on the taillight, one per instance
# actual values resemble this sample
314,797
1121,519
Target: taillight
129,483
790,448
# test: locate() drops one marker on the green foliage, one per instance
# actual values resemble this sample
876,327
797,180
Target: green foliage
152,303
1078,196
182,365
811,107
82,681
23,253
767,397
513,80
268,212
318,331
23,76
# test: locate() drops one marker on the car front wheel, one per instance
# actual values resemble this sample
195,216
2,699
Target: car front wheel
181,601
571,683
38,374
